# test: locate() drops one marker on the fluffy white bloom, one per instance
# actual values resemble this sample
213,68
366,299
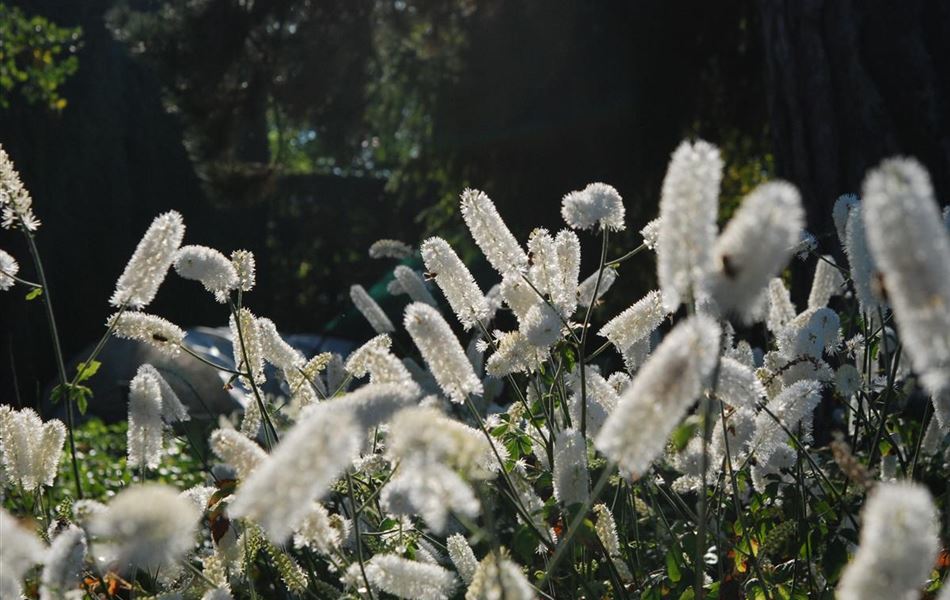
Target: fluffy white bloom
634,324
63,564
234,448
321,531
151,329
847,380
664,389
898,544
246,345
585,291
31,449
518,295
781,309
462,556
370,310
912,249
794,405
567,248
382,366
650,233
602,398
373,404
277,495
209,267
738,386
571,481
411,283
688,206
805,246
456,282
144,436
863,268
810,334
491,234
425,435
755,246
409,579
545,270
219,593
148,526
840,214
275,350
390,249
15,199
172,408
442,352
598,204
514,354
431,490
9,267
542,325
246,268
828,282
19,551
498,578
150,262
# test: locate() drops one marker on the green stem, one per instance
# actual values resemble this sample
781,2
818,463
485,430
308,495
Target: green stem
20,280
58,352
582,349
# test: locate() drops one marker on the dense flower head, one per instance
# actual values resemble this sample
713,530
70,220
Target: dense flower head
368,307
911,248
412,284
246,345
390,249
462,557
145,432
147,526
276,351
172,408
491,234
665,387
246,269
571,481
689,203
9,267
898,544
409,579
209,267
634,324
235,449
793,406
20,550
861,262
456,282
29,447
585,290
840,213
499,578
154,255
650,233
597,205
442,352
755,245
324,431
63,564
15,200
828,282
151,329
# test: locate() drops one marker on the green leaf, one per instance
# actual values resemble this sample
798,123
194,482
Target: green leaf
82,404
673,567
683,433
688,594
34,293
85,371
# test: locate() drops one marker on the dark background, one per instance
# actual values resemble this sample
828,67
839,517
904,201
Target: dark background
304,130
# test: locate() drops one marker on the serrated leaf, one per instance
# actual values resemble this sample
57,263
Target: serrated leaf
34,294
85,371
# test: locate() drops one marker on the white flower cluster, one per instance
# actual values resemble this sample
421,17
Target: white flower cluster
29,447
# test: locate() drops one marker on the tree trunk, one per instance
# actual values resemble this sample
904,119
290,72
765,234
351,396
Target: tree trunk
851,82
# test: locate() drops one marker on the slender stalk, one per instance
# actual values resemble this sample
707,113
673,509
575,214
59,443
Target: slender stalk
269,437
582,349
214,365
58,352
20,280
626,257
356,532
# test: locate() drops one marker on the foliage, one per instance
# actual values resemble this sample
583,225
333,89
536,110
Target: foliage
36,57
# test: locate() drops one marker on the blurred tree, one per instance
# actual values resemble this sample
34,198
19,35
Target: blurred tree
36,57
850,83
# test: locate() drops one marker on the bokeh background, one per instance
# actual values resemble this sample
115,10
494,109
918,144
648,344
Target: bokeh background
304,130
